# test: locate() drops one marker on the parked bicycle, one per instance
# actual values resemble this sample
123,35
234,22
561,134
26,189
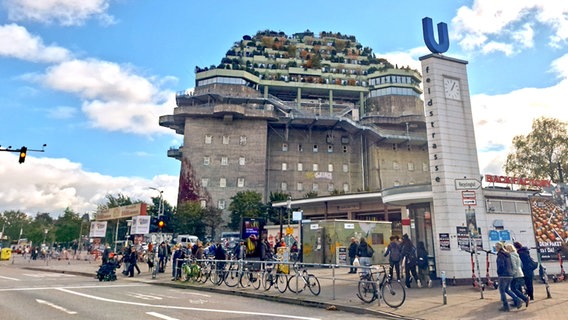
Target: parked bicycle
302,279
377,285
250,275
190,271
273,277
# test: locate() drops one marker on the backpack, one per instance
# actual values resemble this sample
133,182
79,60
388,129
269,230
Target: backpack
370,251
394,249
251,246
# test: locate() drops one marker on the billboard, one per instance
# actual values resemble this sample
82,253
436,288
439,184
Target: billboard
98,229
550,225
140,225
137,209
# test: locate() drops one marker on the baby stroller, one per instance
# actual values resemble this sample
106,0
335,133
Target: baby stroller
107,271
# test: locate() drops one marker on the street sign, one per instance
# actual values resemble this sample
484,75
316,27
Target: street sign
469,202
468,194
467,184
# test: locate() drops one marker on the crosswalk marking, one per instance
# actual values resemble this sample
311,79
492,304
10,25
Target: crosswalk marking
8,278
60,308
159,315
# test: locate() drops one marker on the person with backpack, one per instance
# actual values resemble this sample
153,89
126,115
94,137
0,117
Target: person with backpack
364,253
422,263
393,252
529,266
408,251
505,276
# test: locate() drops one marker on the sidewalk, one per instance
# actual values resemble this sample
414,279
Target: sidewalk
338,291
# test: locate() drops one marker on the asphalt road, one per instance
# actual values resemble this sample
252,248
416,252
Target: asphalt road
26,294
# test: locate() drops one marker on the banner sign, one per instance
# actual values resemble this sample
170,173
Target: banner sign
137,209
98,229
140,225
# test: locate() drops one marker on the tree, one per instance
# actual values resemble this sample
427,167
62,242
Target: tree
155,210
212,218
113,202
273,214
67,226
541,153
189,219
245,204
13,222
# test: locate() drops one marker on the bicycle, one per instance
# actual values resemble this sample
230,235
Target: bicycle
302,279
250,276
190,270
391,292
273,277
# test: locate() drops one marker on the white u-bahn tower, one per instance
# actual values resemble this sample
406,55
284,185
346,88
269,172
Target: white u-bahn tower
457,201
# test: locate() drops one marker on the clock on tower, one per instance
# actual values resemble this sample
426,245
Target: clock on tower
452,89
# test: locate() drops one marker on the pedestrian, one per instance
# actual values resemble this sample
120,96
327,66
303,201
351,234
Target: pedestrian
505,276
162,256
394,254
529,266
177,261
133,259
200,253
518,275
364,254
410,259
422,263
352,252
106,253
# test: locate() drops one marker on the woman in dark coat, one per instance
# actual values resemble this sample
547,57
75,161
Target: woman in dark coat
529,265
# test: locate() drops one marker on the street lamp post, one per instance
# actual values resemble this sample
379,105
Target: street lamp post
289,207
161,203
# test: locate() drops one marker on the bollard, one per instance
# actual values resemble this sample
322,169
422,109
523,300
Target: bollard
333,282
444,295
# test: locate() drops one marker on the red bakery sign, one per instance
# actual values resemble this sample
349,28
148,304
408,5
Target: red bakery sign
515,180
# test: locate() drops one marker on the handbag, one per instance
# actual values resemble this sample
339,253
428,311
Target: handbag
356,262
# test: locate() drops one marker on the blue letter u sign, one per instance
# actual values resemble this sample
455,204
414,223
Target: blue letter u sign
428,31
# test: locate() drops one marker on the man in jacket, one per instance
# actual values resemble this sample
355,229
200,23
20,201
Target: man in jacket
505,276
352,252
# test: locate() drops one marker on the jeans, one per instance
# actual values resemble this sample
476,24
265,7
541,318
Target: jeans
504,290
365,262
516,285
352,269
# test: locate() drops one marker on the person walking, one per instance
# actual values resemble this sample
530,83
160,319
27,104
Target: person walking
410,259
529,266
162,256
422,263
518,276
352,252
364,253
394,254
505,276
132,259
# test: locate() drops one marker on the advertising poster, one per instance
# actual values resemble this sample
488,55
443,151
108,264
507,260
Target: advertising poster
445,241
549,220
251,226
98,229
464,238
140,225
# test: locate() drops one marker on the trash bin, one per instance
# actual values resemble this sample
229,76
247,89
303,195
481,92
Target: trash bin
5,254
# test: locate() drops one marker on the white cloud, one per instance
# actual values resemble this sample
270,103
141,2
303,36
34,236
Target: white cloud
115,97
64,12
51,185
497,119
17,42
510,23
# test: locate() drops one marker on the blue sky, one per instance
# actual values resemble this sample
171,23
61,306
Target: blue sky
90,78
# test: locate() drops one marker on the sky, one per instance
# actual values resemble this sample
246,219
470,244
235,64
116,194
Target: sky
90,79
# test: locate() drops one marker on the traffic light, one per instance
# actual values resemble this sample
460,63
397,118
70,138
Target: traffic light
23,151
161,223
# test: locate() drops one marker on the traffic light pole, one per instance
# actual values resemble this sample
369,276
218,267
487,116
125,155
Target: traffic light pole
23,151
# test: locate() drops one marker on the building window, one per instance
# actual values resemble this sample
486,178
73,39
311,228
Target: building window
242,161
203,204
284,166
240,182
300,186
345,168
345,187
315,167
315,187
300,148
330,167
208,139
285,147
221,204
222,182
330,187
424,167
395,165
329,148
284,186
204,182
300,166
206,160
411,166
224,161
315,149
396,183
225,139
243,140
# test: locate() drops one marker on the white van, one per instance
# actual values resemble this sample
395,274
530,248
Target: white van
184,239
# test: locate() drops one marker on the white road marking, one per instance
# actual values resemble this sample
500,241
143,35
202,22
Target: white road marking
161,316
55,306
8,278
144,296
197,294
271,315
72,287
48,275
199,301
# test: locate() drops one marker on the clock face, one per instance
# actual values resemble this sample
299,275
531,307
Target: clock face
452,89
